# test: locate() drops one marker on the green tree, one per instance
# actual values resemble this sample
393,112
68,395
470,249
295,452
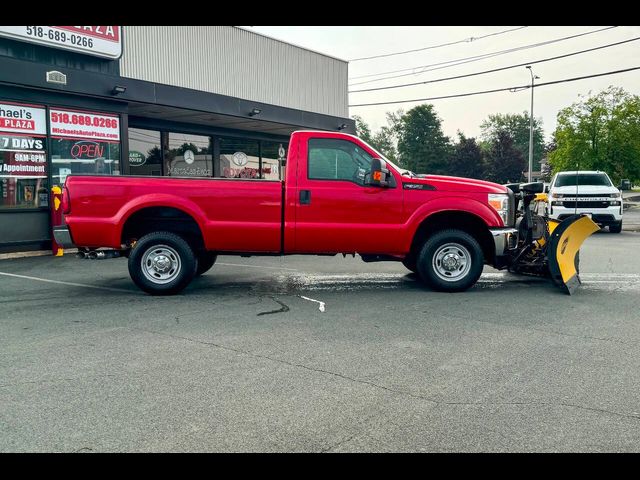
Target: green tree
422,146
600,132
362,129
466,159
517,125
383,140
504,162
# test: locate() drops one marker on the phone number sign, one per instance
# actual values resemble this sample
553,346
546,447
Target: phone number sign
100,41
63,123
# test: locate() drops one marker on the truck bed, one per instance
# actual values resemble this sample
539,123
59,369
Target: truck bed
233,214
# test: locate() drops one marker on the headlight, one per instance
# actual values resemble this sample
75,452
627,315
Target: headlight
500,203
615,195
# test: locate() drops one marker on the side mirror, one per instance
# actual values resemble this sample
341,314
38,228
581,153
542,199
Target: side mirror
546,188
379,173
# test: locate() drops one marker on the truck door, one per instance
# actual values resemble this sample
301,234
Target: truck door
336,212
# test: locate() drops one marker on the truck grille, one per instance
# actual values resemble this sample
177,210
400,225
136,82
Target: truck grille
586,204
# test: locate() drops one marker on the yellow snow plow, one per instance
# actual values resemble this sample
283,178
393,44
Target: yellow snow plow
547,247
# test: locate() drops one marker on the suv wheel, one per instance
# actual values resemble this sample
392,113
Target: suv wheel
616,228
162,263
450,261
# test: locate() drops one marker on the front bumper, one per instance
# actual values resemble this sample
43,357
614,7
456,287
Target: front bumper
504,239
62,236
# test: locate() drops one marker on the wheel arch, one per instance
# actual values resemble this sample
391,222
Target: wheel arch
458,220
149,218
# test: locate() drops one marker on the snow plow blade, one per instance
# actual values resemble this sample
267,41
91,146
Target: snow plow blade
565,242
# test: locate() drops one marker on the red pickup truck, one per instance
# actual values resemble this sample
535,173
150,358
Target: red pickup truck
339,195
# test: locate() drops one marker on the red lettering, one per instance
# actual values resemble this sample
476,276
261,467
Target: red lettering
105,32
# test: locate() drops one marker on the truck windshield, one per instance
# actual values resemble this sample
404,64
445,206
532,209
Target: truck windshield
599,179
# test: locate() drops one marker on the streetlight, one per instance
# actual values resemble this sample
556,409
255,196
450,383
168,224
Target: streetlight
533,78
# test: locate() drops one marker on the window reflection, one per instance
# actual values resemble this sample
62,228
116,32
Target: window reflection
188,155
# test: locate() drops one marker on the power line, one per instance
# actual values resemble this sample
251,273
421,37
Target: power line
520,87
475,58
466,40
548,59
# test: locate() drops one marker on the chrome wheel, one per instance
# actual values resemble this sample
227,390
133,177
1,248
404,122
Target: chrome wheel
451,262
161,264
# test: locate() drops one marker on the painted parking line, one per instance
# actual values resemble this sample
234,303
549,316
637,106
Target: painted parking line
321,305
72,284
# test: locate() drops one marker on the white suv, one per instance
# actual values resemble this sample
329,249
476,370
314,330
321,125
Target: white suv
594,193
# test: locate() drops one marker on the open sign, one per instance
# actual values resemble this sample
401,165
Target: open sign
87,150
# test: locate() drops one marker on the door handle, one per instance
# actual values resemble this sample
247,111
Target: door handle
305,197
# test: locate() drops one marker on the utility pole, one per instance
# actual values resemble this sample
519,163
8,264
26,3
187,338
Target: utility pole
533,78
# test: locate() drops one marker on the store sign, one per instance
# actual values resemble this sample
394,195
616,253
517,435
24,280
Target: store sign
87,150
84,125
99,41
22,119
22,157
136,159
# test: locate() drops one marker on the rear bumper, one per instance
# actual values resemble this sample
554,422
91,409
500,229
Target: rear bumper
62,236
503,240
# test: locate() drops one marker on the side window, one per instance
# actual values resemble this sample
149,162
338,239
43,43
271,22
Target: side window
333,159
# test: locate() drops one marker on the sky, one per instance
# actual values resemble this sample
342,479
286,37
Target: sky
467,113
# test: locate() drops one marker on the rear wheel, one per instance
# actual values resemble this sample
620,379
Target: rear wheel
205,262
162,263
450,261
616,228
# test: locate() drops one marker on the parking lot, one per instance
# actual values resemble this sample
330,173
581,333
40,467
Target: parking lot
320,354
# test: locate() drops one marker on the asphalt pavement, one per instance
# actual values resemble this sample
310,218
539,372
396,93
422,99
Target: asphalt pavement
320,354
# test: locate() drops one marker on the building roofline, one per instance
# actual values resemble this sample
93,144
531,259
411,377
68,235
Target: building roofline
289,43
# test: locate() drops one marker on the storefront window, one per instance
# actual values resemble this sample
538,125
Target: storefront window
188,155
83,156
23,172
83,142
273,157
239,158
144,152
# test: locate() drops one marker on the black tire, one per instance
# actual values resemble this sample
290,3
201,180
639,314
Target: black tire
205,262
171,252
616,228
411,263
454,245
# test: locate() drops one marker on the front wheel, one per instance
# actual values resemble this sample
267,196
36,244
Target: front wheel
450,261
162,263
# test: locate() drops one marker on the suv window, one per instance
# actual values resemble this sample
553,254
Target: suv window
333,159
599,179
